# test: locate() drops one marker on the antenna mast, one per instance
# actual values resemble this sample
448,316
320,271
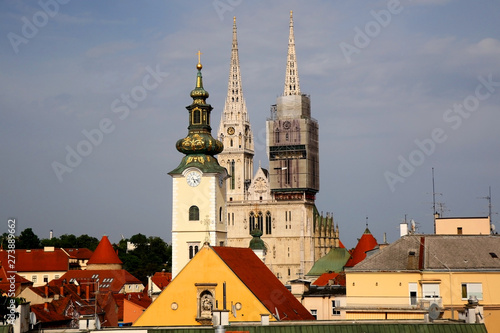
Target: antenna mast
433,201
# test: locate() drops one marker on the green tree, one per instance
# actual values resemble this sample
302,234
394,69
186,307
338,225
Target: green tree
86,241
150,255
28,240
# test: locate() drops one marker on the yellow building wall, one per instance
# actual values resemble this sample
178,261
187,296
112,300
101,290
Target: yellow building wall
470,226
379,289
205,267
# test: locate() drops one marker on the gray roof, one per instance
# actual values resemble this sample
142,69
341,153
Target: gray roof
436,252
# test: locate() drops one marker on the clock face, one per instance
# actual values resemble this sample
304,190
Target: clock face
286,124
193,178
230,130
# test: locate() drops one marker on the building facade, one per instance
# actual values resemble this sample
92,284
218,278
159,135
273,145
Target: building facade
417,272
279,201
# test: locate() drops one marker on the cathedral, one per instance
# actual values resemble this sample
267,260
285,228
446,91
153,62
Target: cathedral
279,201
222,201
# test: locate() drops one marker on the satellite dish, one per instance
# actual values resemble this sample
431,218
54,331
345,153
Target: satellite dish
434,312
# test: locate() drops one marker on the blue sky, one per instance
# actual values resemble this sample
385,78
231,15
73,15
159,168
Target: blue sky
393,97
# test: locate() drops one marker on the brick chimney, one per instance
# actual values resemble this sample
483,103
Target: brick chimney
61,291
87,293
47,291
78,290
46,306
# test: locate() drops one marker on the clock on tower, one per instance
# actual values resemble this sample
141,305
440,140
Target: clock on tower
198,194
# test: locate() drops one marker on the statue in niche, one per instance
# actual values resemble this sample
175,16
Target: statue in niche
206,305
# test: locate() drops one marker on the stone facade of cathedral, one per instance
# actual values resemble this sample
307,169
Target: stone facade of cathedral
279,201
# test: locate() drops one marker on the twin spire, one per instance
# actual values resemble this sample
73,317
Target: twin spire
292,86
235,107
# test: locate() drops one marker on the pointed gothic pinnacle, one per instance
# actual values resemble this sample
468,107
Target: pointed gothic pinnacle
292,86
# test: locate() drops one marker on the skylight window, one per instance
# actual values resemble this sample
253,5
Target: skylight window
493,255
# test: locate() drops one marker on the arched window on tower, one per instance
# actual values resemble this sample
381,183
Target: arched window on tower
260,221
196,117
194,213
233,176
251,222
268,223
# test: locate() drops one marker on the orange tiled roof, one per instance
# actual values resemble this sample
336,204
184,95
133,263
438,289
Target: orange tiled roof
263,284
104,253
366,243
38,260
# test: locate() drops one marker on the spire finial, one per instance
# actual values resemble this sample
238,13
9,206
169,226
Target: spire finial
292,86
199,66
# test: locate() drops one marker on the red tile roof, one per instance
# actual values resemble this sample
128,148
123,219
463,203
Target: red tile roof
162,279
38,260
262,283
104,253
19,282
336,278
79,253
366,243
324,278
137,298
109,280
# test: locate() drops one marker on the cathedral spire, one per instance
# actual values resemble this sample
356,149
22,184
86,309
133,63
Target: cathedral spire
235,131
235,107
292,86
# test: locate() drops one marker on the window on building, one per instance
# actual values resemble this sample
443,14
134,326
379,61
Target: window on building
413,289
430,290
233,175
268,223
260,221
470,290
220,214
289,271
251,222
335,308
459,230
196,117
34,278
194,213
314,313
45,278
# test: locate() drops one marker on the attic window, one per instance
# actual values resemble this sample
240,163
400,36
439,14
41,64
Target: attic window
493,255
411,253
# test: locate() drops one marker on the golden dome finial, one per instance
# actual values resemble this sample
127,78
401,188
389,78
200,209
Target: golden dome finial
199,66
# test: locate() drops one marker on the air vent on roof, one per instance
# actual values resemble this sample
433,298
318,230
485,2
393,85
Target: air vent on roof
493,255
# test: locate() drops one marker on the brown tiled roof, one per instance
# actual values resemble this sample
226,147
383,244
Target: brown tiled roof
262,283
436,252
104,253
38,260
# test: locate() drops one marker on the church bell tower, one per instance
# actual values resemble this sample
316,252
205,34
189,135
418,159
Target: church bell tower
198,186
